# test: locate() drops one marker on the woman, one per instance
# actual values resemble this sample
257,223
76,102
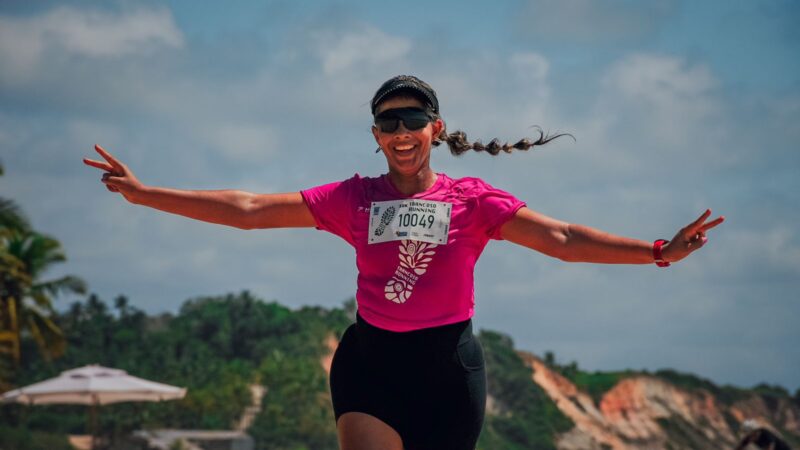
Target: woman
409,373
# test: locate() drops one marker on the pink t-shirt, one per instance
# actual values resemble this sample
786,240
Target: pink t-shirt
406,285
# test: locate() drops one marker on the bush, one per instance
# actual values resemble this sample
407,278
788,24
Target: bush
22,439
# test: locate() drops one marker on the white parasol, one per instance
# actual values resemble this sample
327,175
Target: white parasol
94,385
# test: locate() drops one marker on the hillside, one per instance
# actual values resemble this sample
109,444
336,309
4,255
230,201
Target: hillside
644,411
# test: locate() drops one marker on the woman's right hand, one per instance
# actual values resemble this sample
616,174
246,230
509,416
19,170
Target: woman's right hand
117,177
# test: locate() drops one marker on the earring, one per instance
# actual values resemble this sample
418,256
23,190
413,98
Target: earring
378,150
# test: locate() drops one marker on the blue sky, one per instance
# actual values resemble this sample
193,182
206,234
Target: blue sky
676,106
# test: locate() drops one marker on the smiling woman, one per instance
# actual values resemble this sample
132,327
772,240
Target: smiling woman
409,373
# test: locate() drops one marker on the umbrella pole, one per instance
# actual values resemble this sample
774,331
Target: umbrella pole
93,419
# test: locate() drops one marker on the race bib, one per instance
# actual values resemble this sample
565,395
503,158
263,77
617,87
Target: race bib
416,220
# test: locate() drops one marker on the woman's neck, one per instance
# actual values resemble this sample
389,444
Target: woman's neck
414,184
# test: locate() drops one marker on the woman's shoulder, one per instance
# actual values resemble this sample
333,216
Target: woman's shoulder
468,186
363,187
357,181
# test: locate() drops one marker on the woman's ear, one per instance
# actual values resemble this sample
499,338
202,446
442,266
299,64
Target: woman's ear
438,126
375,134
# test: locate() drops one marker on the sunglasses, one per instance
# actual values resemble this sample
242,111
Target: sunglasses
413,119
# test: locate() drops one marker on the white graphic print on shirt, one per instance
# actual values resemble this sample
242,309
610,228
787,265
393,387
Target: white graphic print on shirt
414,259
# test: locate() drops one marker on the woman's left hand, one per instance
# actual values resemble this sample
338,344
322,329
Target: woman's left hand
689,238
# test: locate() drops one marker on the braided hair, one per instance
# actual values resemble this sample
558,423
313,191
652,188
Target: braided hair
458,143
411,86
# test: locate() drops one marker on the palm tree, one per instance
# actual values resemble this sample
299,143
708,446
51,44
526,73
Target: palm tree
25,302
11,220
28,303
11,217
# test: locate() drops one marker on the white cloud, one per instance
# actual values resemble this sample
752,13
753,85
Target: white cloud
665,83
247,143
664,101
589,21
25,41
491,95
532,64
367,45
768,253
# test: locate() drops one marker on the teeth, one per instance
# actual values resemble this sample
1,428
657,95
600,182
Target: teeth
404,147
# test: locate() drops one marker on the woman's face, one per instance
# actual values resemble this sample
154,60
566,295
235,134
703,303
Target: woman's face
407,151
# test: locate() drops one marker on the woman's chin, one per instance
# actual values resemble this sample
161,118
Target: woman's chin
406,168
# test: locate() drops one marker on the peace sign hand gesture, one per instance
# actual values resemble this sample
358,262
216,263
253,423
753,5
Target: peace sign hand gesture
690,238
118,177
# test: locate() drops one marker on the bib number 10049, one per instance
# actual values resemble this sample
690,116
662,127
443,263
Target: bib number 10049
418,220
413,219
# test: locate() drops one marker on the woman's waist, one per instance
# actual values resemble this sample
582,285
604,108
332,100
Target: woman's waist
441,338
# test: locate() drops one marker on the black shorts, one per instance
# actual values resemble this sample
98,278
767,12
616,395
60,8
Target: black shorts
429,385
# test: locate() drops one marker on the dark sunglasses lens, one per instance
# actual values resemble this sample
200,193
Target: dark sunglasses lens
415,124
387,125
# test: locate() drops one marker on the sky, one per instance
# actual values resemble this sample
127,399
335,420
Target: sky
676,106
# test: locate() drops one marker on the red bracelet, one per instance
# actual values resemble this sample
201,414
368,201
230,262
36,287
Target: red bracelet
657,253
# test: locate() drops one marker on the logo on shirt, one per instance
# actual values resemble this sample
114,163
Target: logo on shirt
414,258
386,219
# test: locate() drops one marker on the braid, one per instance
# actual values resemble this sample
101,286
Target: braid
458,143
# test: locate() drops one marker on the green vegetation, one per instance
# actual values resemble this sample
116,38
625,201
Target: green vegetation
596,384
728,395
527,417
217,346
21,439
26,306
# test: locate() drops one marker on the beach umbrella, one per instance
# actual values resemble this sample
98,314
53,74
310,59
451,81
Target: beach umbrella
93,385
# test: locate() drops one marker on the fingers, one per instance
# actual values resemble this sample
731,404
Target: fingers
694,226
113,168
699,227
712,224
117,166
98,164
695,234
108,181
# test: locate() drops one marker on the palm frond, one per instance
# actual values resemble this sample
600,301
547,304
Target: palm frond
41,303
26,306
66,284
12,217
49,338
38,251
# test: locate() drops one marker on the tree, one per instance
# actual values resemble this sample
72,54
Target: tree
11,217
26,303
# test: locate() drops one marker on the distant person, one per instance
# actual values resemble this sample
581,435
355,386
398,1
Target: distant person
409,373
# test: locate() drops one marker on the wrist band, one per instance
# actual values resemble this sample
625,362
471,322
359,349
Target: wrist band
657,253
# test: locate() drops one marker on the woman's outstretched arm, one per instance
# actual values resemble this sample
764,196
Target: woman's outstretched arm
234,208
579,243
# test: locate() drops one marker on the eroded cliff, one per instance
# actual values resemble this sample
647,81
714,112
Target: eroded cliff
646,412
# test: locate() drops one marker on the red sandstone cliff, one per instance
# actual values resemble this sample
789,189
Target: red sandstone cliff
645,412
